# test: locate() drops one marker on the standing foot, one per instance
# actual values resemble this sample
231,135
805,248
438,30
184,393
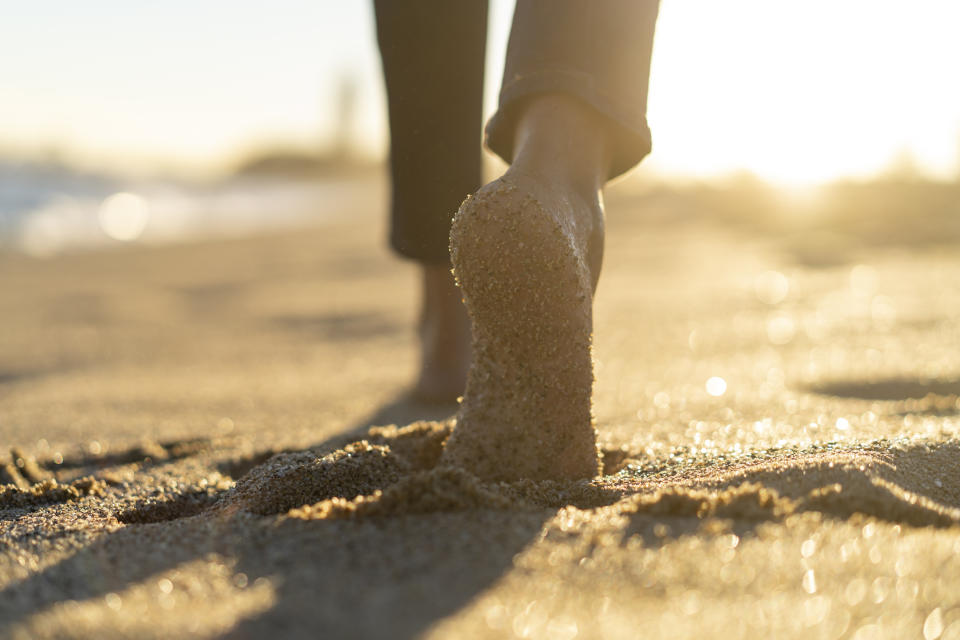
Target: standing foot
444,339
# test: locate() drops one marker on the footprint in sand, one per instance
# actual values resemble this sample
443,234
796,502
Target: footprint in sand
399,471
396,471
27,482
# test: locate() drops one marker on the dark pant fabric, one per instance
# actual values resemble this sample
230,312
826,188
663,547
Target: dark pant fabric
597,51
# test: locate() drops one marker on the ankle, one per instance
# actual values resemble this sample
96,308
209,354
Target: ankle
444,325
439,294
444,337
563,140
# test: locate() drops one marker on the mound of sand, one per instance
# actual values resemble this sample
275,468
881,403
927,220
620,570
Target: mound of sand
403,474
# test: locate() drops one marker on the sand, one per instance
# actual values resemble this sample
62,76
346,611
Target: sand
526,285
194,451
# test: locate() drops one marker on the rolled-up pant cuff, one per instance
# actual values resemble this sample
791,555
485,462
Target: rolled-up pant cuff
628,135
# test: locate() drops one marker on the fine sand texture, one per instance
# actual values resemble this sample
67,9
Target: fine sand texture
212,440
527,290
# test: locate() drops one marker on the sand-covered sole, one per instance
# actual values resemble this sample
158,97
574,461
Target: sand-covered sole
526,411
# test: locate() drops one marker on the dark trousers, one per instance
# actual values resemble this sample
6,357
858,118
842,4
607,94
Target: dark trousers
597,51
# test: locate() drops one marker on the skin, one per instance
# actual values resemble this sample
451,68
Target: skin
561,146
444,338
575,163
527,250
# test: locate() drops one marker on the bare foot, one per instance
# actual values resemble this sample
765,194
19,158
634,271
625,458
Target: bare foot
526,251
444,339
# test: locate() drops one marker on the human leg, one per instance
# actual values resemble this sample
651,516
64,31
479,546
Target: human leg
597,53
527,248
433,56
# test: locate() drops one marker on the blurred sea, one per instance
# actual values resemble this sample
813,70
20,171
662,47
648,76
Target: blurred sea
46,209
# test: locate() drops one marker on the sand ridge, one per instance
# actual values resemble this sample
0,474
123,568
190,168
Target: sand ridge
405,473
48,492
401,470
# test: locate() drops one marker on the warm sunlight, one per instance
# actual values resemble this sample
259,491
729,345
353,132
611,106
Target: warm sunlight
794,92
284,353
800,92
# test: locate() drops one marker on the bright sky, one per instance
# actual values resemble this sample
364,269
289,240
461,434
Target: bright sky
795,92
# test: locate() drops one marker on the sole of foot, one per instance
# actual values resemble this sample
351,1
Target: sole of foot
518,256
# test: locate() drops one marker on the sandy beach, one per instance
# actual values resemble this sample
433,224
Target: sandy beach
196,442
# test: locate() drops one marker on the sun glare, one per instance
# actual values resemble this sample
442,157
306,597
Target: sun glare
805,92
796,93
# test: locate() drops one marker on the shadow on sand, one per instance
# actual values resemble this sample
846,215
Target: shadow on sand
324,572
398,576
889,389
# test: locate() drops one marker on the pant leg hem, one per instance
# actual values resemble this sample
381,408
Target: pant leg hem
419,252
629,134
